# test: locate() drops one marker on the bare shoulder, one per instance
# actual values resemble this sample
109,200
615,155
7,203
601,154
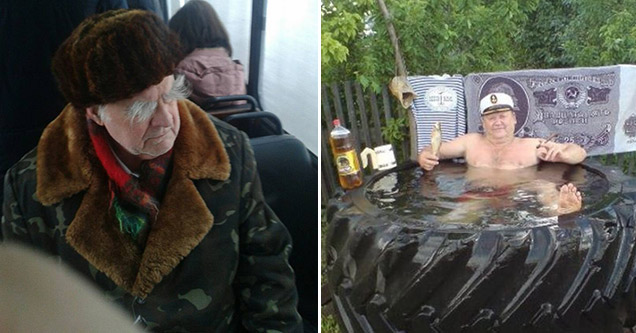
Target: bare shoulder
472,137
466,139
457,147
530,141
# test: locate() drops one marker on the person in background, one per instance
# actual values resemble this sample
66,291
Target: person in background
37,294
208,65
498,148
29,98
143,193
151,5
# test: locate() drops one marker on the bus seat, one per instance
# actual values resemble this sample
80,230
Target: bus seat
288,172
256,124
218,106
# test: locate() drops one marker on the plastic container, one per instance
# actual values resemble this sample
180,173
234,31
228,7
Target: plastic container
345,157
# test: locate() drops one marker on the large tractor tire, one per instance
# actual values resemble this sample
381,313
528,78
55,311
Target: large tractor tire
574,275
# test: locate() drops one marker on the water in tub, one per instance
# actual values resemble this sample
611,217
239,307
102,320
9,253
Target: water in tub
456,193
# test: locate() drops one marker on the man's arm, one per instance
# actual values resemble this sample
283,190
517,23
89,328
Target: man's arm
569,153
265,281
450,149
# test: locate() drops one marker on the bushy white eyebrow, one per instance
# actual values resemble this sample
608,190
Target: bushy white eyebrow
141,111
180,89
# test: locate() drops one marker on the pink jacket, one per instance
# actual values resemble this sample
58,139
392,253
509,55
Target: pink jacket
212,72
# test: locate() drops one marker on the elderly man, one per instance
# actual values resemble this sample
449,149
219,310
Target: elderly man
498,148
29,98
140,191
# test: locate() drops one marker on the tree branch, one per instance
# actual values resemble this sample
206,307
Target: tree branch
399,60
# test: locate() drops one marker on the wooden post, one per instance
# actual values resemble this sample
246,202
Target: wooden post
326,108
377,128
353,120
337,103
364,121
386,99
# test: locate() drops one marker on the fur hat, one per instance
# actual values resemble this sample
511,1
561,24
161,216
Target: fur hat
115,55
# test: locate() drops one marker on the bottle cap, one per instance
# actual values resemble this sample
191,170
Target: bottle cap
336,122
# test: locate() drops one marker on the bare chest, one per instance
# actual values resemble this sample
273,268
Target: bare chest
511,156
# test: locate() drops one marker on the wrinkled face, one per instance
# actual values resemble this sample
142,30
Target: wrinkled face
145,125
499,124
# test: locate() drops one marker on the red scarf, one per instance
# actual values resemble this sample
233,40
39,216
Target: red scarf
131,196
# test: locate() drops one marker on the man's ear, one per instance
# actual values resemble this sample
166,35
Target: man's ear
92,112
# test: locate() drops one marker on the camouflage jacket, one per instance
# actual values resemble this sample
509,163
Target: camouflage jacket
215,259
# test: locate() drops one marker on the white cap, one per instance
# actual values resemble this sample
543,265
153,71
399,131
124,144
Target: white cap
495,102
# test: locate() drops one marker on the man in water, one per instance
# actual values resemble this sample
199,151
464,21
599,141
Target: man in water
498,148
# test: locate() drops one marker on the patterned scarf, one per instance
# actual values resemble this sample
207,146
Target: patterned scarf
135,202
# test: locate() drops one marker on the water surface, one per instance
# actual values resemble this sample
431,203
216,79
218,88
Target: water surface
456,193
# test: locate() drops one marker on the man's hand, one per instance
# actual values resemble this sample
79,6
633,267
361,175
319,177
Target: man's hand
427,159
550,151
569,153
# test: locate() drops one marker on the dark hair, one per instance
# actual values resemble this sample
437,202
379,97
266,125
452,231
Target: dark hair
198,26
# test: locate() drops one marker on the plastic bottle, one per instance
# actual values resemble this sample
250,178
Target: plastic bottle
344,154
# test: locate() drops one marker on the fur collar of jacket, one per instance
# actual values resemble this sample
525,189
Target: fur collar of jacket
67,165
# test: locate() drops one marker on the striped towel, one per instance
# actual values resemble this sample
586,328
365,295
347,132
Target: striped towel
439,98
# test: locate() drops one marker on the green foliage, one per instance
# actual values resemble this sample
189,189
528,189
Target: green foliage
468,36
436,37
332,50
323,254
542,35
600,32
395,130
329,325
341,23
619,38
625,161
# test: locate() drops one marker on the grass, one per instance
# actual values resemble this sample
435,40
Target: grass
323,254
328,323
